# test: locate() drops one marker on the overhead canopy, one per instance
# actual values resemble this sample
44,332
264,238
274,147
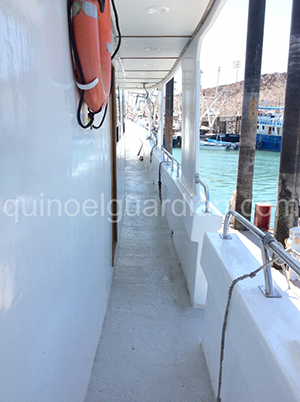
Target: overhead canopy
154,35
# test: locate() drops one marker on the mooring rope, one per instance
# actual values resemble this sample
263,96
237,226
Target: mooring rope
225,321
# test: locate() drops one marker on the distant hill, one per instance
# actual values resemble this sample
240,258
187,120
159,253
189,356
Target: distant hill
272,92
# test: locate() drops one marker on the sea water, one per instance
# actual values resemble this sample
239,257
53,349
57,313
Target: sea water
218,170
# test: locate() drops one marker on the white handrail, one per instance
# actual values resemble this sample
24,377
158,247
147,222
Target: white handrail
173,160
268,243
206,192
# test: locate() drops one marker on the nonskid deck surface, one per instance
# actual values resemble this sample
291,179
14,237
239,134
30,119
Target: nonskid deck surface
149,350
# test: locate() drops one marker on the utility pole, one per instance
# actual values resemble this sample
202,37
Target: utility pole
287,211
255,33
169,115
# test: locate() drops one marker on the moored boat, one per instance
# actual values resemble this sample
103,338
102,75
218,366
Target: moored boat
218,145
269,128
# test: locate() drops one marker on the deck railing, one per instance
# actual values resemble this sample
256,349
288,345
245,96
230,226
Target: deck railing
206,192
268,243
270,123
168,158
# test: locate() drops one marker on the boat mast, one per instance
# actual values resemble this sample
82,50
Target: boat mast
287,211
217,87
255,32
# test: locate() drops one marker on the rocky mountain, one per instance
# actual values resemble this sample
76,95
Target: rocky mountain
272,93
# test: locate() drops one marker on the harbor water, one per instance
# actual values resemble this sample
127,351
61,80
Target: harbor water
218,170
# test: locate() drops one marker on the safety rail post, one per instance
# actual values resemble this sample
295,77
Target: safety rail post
268,290
172,161
268,243
206,192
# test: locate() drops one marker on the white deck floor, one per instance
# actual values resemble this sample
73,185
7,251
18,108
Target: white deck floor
149,350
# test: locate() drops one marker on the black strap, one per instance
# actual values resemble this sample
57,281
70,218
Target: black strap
101,5
118,29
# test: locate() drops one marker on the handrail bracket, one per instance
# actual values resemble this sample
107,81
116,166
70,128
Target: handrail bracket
274,295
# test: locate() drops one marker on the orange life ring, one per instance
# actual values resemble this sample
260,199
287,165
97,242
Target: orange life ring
92,36
104,27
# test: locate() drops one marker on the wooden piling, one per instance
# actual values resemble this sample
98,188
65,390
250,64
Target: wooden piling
256,18
287,211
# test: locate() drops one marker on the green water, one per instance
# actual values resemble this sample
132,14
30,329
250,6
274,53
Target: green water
218,170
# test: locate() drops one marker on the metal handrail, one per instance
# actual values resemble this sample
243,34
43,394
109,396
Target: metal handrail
152,136
268,243
268,123
198,180
206,192
173,160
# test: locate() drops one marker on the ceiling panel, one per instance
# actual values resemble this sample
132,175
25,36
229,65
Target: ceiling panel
148,74
181,19
146,64
152,47
153,41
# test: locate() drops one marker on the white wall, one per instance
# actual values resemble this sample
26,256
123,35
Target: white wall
55,271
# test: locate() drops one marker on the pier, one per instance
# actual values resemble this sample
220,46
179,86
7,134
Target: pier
225,124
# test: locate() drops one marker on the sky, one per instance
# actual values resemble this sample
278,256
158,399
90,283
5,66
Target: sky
225,42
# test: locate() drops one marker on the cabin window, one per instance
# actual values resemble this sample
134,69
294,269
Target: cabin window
270,130
257,127
263,127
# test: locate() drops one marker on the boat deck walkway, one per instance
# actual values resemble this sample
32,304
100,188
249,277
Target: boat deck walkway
149,350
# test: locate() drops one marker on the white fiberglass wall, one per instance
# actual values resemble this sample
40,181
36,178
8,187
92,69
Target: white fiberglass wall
55,239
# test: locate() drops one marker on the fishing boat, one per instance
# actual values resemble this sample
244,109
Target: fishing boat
269,128
110,249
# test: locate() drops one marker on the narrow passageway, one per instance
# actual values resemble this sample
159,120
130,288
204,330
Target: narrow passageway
149,350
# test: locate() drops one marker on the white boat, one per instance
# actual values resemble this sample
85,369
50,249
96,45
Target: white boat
218,145
212,145
69,225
